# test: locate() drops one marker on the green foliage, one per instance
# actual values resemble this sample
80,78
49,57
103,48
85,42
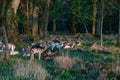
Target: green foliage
82,10
57,8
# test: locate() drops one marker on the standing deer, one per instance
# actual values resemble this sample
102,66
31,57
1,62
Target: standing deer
38,48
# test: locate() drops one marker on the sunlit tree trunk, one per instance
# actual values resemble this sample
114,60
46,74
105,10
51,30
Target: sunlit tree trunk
15,4
11,20
35,23
94,17
2,17
54,25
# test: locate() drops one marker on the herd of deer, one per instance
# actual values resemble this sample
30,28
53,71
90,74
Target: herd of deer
46,49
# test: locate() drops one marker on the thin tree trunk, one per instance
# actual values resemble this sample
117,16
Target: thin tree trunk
94,17
98,27
102,16
41,33
28,34
73,27
54,25
110,26
119,28
31,18
85,27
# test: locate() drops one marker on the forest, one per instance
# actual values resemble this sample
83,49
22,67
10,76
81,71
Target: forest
59,39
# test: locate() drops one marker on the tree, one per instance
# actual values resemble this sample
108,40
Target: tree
119,27
102,17
56,9
35,23
2,19
46,16
94,16
79,14
11,20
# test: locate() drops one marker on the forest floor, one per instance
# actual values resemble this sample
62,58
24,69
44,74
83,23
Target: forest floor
79,63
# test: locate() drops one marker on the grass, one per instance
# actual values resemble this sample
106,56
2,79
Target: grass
64,61
80,63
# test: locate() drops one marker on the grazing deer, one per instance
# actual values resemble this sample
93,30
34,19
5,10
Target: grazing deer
38,48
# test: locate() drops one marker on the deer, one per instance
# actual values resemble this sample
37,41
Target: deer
38,48
57,44
1,46
69,44
11,48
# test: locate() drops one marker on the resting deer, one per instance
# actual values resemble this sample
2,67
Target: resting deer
11,48
38,48
57,44
69,44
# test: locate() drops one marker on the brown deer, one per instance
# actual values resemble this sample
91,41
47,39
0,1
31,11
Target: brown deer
38,48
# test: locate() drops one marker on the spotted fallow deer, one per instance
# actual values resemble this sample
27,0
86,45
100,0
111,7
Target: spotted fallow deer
38,48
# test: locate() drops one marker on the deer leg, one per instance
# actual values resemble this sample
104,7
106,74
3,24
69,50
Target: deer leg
39,55
32,56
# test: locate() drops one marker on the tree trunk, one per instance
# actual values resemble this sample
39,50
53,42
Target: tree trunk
31,19
110,25
6,42
35,23
98,21
54,25
94,17
98,26
4,30
102,18
11,20
73,27
119,28
27,31
46,17
15,4
86,30
41,33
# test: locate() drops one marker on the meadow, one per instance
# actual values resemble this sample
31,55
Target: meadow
78,63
